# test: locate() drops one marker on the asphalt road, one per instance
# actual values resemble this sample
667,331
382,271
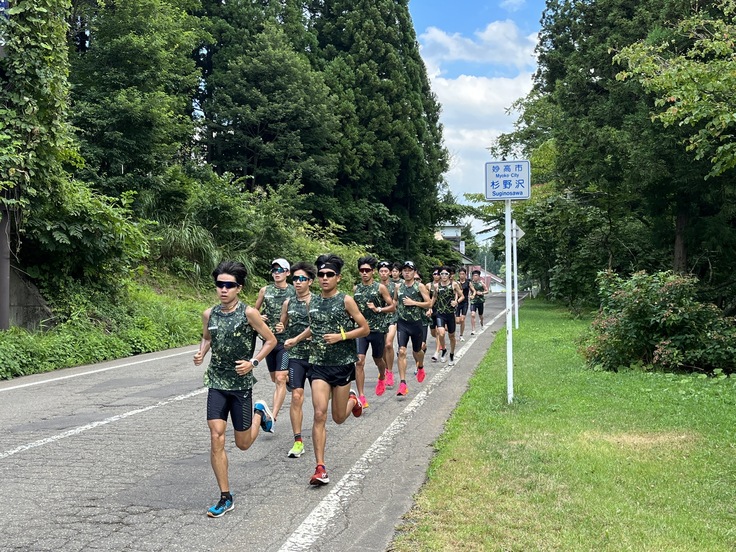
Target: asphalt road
115,456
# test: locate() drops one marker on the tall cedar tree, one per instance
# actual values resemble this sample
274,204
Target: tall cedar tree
133,81
610,153
268,115
391,152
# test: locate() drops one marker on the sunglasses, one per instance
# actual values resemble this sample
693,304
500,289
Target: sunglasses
444,273
227,285
365,270
296,279
329,274
435,274
278,270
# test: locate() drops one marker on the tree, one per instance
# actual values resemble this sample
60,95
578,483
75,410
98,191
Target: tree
134,79
695,83
391,151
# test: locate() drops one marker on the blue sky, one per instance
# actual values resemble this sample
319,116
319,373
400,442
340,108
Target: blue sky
480,58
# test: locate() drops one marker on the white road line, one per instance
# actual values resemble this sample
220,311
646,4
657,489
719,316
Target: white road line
319,519
59,378
81,429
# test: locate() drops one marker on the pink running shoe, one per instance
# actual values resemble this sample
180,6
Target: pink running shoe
403,390
389,379
380,387
421,374
363,401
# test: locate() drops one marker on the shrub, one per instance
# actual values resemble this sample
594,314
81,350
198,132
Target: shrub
655,320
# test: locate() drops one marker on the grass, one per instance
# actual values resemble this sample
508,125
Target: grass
582,460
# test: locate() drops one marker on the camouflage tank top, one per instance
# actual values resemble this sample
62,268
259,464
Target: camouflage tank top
391,317
478,299
445,296
232,338
327,316
413,313
273,300
371,294
298,312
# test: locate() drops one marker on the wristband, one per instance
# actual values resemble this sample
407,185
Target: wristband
342,333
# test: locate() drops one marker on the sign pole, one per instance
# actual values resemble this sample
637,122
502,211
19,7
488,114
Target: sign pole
507,180
516,274
509,331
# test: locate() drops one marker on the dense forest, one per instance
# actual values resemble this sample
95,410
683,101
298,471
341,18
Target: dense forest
183,131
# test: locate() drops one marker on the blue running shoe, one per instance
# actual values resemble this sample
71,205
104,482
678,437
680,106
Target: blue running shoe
221,508
261,408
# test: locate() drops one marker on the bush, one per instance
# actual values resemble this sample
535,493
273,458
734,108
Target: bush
656,321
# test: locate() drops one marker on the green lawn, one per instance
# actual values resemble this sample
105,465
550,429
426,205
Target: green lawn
582,460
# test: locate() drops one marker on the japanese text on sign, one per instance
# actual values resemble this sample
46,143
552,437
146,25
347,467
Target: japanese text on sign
508,180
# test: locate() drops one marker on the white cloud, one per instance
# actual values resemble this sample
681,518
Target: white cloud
500,43
513,5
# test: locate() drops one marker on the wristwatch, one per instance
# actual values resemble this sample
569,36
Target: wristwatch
380,309
254,362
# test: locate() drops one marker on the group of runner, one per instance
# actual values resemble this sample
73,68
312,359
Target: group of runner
324,338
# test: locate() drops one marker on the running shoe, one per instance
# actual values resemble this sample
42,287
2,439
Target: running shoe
364,401
452,360
472,333
358,408
462,338
260,407
320,476
297,450
434,357
443,355
380,387
221,508
421,374
403,390
389,379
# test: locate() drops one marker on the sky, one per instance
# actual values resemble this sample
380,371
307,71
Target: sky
480,59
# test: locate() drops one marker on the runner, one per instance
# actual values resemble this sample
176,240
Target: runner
270,300
229,330
373,300
333,317
448,294
386,271
432,288
411,298
462,307
295,326
478,290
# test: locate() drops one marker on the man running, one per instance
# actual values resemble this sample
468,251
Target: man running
478,290
373,300
411,298
447,294
270,300
386,273
295,326
229,330
462,307
333,317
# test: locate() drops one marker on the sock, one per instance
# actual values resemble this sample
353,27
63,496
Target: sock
402,381
297,437
420,367
225,495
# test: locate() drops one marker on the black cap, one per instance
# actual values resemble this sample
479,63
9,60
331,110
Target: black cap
409,264
383,264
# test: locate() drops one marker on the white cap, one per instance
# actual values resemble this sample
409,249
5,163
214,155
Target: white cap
283,263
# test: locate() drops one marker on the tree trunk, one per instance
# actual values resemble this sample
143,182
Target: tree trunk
680,260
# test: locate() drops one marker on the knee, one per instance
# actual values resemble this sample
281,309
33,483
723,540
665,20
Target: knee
297,398
320,416
402,352
281,377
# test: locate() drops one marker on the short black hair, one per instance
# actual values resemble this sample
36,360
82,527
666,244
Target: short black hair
309,268
233,268
397,265
369,260
476,272
332,260
462,269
